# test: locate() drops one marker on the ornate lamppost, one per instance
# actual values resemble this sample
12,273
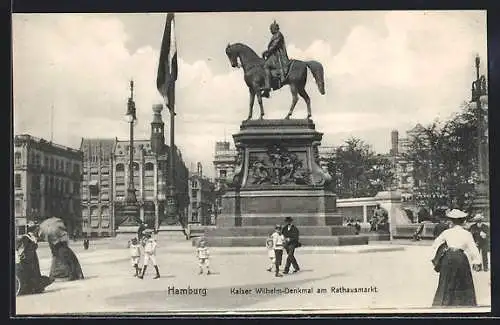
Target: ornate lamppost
131,209
479,101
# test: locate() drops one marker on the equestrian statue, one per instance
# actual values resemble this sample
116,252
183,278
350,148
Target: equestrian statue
274,70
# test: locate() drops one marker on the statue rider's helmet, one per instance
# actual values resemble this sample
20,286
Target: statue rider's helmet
274,27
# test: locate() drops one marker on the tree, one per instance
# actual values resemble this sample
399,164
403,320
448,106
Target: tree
444,159
357,171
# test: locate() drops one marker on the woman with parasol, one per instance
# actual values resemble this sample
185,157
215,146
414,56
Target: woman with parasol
30,279
65,264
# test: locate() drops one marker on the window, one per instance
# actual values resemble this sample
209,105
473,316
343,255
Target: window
19,207
120,194
17,158
76,188
35,182
46,162
149,167
68,167
38,160
194,193
17,180
76,169
120,168
51,164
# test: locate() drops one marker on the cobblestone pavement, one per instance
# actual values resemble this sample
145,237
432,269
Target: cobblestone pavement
397,280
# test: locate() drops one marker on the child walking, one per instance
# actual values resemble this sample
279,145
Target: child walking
135,254
149,254
203,256
278,245
270,252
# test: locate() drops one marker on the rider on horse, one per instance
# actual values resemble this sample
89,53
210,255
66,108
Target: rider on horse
276,57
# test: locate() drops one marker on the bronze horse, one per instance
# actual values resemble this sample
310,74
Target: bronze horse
254,74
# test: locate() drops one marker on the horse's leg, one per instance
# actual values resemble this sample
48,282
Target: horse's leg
295,98
303,94
259,99
252,100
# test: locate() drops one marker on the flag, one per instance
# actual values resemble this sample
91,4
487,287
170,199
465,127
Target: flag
167,67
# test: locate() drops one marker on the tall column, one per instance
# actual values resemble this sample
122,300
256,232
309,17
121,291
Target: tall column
480,102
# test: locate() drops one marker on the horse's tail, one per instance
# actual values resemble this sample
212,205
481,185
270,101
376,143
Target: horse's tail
318,74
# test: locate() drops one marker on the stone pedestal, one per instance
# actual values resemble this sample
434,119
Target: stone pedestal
277,175
391,202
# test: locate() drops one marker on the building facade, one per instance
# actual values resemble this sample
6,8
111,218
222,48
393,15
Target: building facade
403,169
97,187
202,198
46,183
224,165
106,179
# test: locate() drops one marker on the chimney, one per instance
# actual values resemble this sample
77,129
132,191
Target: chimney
394,142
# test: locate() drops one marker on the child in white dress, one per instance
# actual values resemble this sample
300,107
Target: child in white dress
203,256
135,254
270,253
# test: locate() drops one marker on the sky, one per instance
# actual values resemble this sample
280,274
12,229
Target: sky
384,70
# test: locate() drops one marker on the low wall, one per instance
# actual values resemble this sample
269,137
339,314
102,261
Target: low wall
407,231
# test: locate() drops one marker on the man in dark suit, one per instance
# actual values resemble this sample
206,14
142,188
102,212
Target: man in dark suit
291,234
441,226
480,233
142,227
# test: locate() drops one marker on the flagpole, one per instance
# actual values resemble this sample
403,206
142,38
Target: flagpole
171,174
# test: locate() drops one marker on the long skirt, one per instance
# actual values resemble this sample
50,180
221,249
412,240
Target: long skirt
65,264
456,287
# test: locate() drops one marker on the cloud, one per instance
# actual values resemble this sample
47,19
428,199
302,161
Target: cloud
417,68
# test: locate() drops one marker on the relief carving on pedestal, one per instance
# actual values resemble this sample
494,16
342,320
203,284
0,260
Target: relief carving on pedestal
239,162
319,176
277,166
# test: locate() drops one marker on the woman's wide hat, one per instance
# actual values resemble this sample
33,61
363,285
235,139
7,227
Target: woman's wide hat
456,214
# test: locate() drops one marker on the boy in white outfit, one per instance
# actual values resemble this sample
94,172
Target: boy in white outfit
278,245
203,256
149,244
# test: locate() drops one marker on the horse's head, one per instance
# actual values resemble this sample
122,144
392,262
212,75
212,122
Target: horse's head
232,55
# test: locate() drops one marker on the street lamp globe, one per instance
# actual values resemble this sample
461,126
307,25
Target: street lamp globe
129,118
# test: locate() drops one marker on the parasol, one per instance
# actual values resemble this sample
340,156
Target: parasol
53,231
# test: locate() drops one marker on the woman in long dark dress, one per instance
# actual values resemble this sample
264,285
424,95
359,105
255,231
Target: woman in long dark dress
65,264
30,277
456,286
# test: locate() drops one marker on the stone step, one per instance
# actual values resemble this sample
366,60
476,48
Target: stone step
247,241
272,219
265,231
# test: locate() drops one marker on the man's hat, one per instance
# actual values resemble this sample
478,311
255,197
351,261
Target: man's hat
288,219
456,214
31,225
478,218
